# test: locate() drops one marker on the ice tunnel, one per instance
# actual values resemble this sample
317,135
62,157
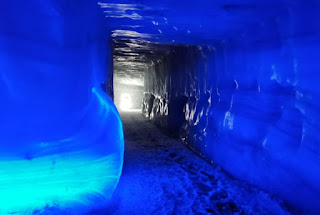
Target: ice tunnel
235,80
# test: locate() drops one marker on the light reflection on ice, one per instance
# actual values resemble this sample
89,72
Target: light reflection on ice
128,33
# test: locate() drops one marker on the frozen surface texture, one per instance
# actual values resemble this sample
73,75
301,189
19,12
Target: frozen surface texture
162,176
249,110
249,103
60,134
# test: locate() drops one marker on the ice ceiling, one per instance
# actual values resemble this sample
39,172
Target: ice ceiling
184,22
137,27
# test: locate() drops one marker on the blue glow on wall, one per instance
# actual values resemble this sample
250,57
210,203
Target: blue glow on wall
61,136
80,171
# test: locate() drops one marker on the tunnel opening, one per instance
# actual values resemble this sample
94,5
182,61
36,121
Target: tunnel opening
133,62
129,67
162,80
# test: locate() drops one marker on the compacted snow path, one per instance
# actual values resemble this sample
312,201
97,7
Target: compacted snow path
161,175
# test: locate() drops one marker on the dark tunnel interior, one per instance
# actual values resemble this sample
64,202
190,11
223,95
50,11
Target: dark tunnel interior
159,107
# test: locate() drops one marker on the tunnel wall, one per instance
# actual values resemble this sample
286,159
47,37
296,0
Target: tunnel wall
248,107
61,136
43,44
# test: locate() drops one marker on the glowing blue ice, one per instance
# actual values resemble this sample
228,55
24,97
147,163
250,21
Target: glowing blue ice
61,136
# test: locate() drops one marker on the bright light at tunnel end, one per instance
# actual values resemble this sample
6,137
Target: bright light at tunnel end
125,102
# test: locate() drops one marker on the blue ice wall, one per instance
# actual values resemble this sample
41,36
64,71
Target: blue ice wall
250,107
263,123
60,134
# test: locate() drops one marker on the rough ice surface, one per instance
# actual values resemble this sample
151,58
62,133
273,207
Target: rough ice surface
237,109
237,81
61,136
162,176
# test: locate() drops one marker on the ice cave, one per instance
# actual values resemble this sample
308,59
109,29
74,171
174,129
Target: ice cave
159,107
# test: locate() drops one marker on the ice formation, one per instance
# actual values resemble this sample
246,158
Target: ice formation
61,136
236,80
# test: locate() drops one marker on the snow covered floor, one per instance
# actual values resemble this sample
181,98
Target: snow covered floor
163,176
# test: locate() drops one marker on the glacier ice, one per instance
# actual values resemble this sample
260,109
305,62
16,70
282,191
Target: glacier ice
60,133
